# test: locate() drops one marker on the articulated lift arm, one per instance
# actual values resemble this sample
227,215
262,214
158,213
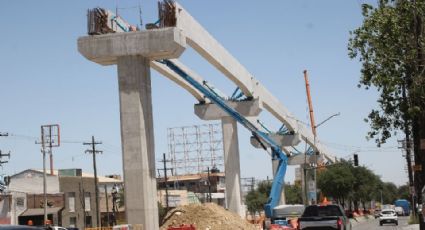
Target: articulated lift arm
277,153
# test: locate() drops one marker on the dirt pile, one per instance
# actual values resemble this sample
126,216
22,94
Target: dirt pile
207,216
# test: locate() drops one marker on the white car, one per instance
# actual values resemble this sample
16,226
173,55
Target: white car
388,216
399,211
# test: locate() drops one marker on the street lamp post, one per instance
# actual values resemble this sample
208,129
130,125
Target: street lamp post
316,154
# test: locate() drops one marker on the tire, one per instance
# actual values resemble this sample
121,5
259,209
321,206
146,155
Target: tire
380,223
396,223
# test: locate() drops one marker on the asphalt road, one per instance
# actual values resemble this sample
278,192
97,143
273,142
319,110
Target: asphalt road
374,224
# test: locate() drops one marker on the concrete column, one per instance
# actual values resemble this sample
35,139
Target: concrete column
137,141
232,165
275,164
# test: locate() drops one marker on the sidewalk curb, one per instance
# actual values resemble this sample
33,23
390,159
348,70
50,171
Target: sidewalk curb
411,227
360,219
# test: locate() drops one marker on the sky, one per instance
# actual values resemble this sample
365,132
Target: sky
44,80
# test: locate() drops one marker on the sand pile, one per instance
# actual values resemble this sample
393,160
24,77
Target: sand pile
207,216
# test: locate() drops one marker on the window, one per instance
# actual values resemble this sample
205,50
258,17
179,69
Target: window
20,201
88,222
71,201
87,201
72,222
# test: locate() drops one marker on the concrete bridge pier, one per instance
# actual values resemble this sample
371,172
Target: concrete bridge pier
283,141
232,166
132,53
137,137
230,146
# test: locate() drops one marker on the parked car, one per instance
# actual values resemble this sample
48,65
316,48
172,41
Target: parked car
399,211
388,216
324,217
20,227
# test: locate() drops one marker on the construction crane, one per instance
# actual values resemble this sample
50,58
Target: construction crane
277,153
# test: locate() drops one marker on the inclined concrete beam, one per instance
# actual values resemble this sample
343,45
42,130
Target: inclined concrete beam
105,49
272,104
206,45
167,72
137,136
209,48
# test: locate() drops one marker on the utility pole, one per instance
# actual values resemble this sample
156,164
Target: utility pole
6,154
107,206
5,179
93,151
209,186
405,145
50,136
313,129
164,161
315,152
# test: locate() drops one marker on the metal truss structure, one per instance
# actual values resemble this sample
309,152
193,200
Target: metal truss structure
194,149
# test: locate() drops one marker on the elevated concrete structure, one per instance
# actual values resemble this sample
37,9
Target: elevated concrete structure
207,46
132,53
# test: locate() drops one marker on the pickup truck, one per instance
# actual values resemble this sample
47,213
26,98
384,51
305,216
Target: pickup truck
324,217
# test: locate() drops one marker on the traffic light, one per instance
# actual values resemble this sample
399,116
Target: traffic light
356,160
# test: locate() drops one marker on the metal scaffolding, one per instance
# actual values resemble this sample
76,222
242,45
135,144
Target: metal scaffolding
192,149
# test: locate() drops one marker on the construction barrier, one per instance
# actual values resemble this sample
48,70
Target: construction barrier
119,227
182,227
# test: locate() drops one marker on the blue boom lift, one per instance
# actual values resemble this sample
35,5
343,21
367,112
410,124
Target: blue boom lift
277,153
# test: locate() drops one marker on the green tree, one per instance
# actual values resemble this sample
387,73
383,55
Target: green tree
293,194
390,46
364,186
336,181
386,47
389,192
403,192
256,199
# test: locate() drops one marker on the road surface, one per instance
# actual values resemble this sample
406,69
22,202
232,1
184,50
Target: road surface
374,224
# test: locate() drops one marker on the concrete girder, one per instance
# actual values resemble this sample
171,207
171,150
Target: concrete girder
165,43
282,140
209,48
301,159
211,111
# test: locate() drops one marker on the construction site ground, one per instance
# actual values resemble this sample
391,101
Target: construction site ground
208,216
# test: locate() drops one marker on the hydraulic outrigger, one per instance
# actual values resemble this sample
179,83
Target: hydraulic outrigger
277,153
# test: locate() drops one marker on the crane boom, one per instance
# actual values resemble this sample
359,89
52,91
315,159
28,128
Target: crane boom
277,153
